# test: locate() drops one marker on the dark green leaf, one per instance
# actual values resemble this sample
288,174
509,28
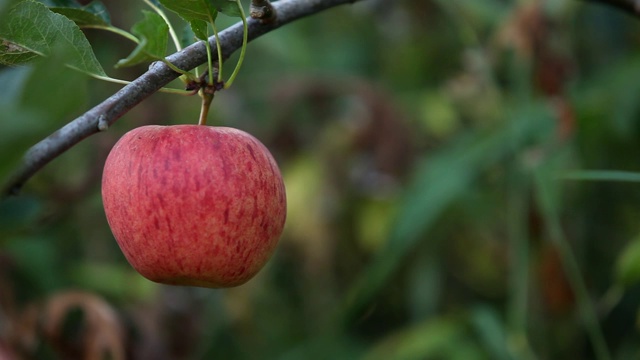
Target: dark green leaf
31,29
153,33
94,14
227,7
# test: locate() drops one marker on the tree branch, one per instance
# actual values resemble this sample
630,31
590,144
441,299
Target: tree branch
159,75
630,6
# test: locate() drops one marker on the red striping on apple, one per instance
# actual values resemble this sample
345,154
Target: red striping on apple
194,205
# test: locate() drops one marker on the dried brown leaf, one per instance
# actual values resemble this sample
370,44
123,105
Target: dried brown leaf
103,332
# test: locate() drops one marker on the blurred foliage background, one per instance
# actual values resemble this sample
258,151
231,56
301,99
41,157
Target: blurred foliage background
462,182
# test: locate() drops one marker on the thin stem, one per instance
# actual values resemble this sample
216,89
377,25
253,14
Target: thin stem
219,50
125,82
172,31
243,49
177,69
209,63
115,30
571,268
109,79
207,97
519,266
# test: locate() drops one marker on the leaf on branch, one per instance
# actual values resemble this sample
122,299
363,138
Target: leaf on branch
227,7
30,30
192,9
153,33
187,36
94,14
200,29
198,13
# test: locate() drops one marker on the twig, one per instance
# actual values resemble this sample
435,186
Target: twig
630,6
159,74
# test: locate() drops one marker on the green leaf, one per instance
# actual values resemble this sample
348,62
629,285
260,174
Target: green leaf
198,13
227,7
441,338
199,29
191,10
153,32
94,14
31,29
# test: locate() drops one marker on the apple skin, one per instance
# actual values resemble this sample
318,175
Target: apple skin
194,205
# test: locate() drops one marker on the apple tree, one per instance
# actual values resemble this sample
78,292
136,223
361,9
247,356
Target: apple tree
460,179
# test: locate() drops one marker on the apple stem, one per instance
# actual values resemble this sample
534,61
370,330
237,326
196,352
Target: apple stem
207,96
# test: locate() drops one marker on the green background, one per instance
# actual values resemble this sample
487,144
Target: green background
462,182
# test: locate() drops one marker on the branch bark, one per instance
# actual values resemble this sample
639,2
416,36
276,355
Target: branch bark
159,75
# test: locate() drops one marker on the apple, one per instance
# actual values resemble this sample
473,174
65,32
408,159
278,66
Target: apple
193,204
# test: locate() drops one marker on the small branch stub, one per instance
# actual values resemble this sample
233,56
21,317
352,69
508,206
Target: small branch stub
263,10
103,124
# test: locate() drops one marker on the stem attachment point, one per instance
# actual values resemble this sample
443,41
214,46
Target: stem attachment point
262,10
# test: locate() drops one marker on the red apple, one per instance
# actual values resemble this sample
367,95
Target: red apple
194,205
